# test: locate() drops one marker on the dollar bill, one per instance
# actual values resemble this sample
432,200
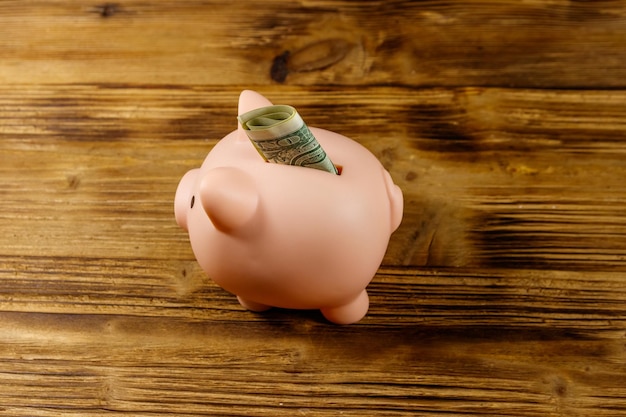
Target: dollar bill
280,135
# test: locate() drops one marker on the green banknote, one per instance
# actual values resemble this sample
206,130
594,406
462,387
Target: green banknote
281,136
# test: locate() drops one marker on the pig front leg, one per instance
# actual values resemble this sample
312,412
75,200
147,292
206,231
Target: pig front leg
252,305
348,313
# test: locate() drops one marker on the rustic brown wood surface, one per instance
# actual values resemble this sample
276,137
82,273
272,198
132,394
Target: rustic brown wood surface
502,293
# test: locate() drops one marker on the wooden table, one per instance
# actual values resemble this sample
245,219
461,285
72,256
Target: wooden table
502,293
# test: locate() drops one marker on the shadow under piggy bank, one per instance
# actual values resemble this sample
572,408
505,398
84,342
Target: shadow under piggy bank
289,236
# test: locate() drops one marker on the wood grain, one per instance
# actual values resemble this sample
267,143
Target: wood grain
491,177
503,292
94,265
146,366
557,43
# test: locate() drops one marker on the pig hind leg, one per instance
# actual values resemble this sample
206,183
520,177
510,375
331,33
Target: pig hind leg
348,313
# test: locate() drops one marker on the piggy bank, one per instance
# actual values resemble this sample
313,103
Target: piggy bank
289,236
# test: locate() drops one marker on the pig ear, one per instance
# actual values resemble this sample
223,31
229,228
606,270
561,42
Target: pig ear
230,198
251,100
396,200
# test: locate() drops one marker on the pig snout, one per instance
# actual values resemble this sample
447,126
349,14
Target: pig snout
229,197
185,199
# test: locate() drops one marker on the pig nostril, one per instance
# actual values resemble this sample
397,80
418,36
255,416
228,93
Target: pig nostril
193,200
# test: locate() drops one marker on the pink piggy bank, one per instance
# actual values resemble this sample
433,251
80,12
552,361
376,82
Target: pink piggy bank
289,236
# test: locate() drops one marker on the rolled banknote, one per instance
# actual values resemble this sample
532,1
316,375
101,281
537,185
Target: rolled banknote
280,135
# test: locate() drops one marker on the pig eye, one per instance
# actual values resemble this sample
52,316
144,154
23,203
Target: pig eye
193,200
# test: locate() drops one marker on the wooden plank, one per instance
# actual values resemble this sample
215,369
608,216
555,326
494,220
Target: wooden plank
503,292
584,303
546,44
288,364
515,302
491,177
